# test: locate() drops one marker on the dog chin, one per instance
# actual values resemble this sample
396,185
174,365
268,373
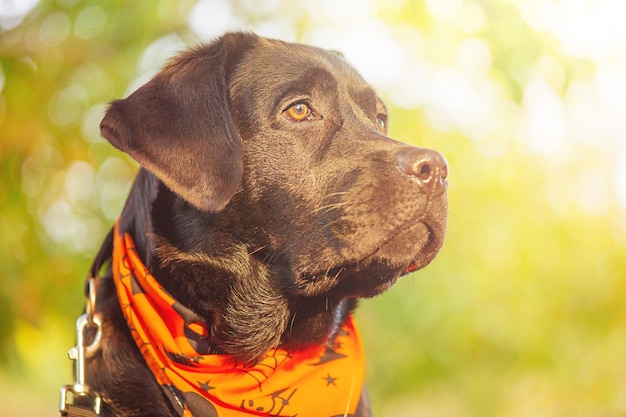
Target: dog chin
408,250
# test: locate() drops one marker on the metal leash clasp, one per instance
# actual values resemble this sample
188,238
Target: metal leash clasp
79,393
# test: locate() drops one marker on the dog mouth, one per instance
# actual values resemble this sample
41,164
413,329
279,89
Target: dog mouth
407,250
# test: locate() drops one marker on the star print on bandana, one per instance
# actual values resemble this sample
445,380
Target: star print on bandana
322,381
330,381
205,386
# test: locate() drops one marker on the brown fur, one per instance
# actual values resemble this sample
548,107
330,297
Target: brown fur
268,229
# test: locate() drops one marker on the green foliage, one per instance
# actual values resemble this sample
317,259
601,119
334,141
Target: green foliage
521,314
61,66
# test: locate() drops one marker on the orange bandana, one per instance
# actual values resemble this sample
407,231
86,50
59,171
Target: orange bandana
322,381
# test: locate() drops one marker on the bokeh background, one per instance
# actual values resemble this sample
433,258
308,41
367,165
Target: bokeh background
524,311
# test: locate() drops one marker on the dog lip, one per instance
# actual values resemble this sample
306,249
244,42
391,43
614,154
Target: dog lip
411,268
427,247
428,251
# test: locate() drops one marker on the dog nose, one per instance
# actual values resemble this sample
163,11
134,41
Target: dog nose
427,167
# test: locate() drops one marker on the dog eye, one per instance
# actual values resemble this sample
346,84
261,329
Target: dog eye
299,112
381,123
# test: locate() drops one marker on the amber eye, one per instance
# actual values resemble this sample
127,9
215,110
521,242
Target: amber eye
381,123
299,112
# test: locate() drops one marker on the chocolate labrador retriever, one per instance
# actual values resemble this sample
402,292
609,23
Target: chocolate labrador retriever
269,200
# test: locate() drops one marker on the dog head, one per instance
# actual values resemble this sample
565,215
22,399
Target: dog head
352,205
284,147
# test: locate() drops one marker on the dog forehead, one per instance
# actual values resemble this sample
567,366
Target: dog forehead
277,62
273,68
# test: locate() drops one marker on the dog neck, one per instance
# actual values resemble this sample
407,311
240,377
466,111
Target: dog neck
244,299
174,342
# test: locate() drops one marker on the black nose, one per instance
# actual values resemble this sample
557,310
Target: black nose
428,168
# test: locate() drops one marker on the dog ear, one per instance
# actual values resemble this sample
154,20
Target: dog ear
179,125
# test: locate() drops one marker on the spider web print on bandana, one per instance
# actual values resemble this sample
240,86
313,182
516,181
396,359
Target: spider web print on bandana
324,381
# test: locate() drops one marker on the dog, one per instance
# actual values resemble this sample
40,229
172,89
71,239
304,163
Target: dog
269,199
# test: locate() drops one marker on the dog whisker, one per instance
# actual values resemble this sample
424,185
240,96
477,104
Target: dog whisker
333,206
337,193
293,318
259,249
269,257
338,220
338,273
